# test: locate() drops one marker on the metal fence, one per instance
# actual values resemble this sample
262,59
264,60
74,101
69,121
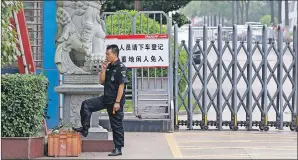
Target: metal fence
236,84
148,93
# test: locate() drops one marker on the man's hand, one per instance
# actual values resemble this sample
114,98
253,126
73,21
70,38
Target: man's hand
104,65
102,74
116,107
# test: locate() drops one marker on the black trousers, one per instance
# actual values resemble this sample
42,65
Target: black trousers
116,120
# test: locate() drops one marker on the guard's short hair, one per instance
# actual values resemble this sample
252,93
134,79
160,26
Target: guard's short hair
114,48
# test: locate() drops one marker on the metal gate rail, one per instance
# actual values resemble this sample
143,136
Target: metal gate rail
251,81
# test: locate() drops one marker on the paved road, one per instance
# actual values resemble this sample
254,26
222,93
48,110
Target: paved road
198,144
233,145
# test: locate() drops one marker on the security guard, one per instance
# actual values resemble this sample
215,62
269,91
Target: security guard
113,77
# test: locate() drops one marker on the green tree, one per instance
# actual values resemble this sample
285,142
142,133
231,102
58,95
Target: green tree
125,22
258,9
267,20
164,5
252,10
181,19
191,9
208,8
157,5
9,40
116,5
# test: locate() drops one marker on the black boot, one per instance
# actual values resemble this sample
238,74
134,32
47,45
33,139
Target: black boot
84,132
115,152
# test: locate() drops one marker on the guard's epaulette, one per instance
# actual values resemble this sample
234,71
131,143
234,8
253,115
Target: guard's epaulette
121,64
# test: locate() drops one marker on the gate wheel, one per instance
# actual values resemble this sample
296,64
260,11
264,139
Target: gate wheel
292,127
235,128
296,129
261,127
231,127
205,127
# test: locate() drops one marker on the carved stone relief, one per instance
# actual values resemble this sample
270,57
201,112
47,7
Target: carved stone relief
75,107
80,39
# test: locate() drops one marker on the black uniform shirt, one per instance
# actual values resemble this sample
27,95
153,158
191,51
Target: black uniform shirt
115,75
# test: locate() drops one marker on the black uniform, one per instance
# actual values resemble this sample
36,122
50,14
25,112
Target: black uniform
115,75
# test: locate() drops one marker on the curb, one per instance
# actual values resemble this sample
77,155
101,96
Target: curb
132,114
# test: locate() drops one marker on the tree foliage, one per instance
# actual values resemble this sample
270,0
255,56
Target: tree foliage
180,19
9,41
257,10
267,20
164,5
192,9
247,11
142,21
157,5
205,8
168,6
116,5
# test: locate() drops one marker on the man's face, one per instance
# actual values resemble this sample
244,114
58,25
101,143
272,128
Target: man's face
110,56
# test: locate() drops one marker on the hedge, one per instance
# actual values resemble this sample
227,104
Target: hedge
121,24
24,104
